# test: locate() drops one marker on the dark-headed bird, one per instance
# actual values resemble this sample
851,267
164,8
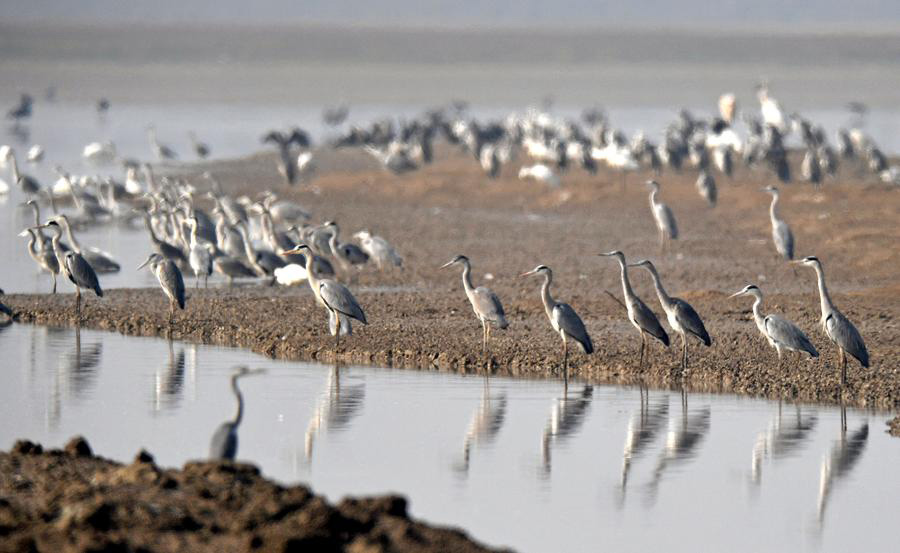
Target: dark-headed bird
170,280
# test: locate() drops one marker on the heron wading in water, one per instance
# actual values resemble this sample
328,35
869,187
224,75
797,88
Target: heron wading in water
224,443
485,303
334,296
564,320
641,317
781,333
837,327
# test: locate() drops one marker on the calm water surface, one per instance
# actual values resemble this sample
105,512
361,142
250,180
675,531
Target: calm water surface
516,463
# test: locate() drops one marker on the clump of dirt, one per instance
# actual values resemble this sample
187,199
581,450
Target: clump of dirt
894,426
71,500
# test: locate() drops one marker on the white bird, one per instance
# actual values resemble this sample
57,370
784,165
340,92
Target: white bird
5,154
291,274
100,153
305,165
539,172
379,249
662,215
35,153
727,106
771,110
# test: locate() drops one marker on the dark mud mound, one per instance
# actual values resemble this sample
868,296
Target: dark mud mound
70,500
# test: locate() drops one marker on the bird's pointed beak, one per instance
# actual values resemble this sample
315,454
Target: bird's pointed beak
736,294
634,264
144,264
298,249
607,254
529,273
797,262
447,264
24,232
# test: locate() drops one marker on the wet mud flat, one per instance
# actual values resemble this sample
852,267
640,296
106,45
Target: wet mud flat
71,500
419,316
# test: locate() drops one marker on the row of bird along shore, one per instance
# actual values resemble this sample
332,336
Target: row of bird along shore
339,250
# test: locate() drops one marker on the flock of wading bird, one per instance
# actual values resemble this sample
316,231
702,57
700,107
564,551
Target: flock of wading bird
272,238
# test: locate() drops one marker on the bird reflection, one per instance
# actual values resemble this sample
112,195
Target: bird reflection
169,380
336,408
642,429
80,365
485,425
224,442
783,439
565,419
682,440
845,453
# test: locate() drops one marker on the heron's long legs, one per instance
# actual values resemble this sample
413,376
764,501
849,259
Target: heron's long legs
337,333
684,347
643,345
54,281
77,304
843,358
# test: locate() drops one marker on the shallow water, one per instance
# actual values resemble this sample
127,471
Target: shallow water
515,463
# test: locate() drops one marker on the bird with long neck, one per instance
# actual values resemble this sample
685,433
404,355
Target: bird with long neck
782,236
778,331
199,258
334,296
170,279
641,317
682,318
224,443
42,254
837,327
76,268
485,303
564,320
662,216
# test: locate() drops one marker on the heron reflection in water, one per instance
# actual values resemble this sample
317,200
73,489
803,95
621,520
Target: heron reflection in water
845,454
486,423
224,443
565,419
682,441
783,439
338,405
80,364
642,431
169,381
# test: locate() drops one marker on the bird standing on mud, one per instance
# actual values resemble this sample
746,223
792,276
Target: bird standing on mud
170,279
663,216
334,296
79,271
837,327
564,320
681,316
641,316
778,331
485,303
225,441
782,236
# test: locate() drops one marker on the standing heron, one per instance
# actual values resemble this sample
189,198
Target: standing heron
563,319
681,316
485,303
199,258
162,151
200,148
27,183
778,331
662,214
225,441
76,268
100,261
706,186
347,254
334,296
643,319
170,279
837,327
41,254
782,236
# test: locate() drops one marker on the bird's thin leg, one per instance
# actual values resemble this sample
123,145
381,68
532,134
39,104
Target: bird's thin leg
197,280
206,281
78,304
54,281
337,333
565,361
843,366
483,338
643,345
662,242
683,352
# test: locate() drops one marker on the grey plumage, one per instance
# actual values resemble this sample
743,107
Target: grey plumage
81,273
339,299
485,303
782,236
224,442
778,331
170,279
706,185
662,216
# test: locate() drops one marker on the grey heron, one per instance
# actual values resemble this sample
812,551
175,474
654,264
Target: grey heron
564,320
682,318
837,327
641,316
782,236
27,183
162,151
334,296
224,443
263,262
485,303
378,249
100,261
286,166
231,268
170,279
778,331
662,215
845,454
706,186
200,148
76,268
41,254
347,254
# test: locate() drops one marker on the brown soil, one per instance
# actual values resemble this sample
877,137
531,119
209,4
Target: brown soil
420,318
70,500
894,426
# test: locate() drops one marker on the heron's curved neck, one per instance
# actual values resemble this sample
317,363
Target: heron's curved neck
548,300
660,291
239,414
757,303
221,231
76,247
773,213
248,247
268,229
57,250
15,168
467,277
310,272
653,196
150,229
824,297
37,222
194,242
626,284
32,240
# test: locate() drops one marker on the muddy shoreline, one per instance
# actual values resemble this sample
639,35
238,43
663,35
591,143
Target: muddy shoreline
73,500
419,317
